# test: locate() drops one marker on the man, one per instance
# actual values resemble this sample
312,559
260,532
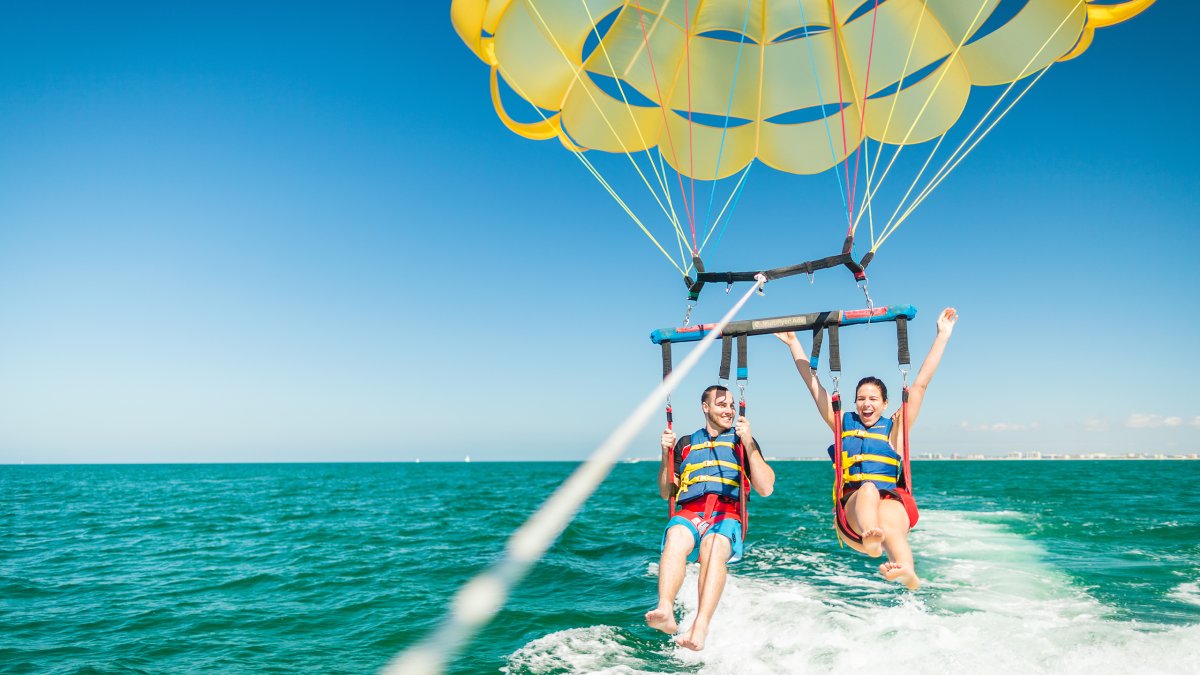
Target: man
706,479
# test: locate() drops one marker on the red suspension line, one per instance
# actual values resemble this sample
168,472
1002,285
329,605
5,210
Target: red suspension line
666,126
687,51
862,119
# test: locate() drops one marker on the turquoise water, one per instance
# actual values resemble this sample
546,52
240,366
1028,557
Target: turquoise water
1030,567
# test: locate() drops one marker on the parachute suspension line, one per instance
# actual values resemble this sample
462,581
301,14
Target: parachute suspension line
925,106
576,78
837,65
812,59
478,601
687,56
662,104
737,67
862,118
659,171
680,236
587,164
943,172
734,197
660,176
955,158
868,205
869,193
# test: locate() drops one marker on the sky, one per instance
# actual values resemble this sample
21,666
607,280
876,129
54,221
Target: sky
235,232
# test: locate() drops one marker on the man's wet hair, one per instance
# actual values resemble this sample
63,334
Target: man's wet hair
714,388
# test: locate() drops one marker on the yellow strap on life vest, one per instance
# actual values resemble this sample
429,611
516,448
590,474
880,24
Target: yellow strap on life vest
847,460
860,477
686,480
712,444
859,433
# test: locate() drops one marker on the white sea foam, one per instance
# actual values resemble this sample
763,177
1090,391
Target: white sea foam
989,605
594,649
1187,592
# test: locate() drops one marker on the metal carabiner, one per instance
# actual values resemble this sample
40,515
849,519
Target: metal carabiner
862,285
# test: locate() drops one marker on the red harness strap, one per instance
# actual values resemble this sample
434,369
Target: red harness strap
839,508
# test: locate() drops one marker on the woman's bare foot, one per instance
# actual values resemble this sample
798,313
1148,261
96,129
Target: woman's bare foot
894,571
662,619
693,639
872,541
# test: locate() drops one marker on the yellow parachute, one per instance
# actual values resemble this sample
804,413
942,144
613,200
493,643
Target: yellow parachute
798,85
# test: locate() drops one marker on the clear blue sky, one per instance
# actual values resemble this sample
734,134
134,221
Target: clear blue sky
235,232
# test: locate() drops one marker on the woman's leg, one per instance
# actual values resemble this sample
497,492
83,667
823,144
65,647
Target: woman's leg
900,566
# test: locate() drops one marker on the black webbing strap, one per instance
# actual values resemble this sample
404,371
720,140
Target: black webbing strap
902,340
843,259
726,356
666,363
835,352
742,371
818,338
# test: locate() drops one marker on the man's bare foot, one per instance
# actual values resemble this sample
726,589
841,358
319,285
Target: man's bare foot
872,541
662,619
894,571
693,639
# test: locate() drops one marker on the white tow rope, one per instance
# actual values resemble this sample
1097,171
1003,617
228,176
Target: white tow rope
482,597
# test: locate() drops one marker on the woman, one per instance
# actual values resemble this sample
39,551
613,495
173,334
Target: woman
879,512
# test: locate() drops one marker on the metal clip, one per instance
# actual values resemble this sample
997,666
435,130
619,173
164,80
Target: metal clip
687,317
862,285
728,287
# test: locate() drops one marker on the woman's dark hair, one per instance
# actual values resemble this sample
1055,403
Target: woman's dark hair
875,381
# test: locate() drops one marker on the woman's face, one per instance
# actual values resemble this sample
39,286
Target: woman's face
870,404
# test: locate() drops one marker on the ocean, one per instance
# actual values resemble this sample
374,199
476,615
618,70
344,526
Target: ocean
1029,567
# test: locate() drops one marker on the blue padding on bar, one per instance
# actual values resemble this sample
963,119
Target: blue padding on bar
741,374
692,334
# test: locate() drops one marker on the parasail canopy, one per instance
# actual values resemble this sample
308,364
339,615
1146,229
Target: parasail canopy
710,87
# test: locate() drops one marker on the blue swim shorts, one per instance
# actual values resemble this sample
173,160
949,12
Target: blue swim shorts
725,524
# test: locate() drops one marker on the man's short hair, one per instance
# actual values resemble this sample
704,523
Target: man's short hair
704,398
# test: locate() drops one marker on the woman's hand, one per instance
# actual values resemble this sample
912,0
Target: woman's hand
788,338
945,323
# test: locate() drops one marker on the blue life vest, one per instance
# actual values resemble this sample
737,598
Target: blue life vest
710,466
867,454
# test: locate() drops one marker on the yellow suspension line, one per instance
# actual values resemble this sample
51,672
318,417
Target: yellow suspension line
944,172
625,99
576,78
603,183
869,193
941,174
925,106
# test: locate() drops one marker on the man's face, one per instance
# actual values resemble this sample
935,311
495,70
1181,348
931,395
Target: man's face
718,410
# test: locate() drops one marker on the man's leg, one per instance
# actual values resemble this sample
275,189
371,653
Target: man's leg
714,556
671,568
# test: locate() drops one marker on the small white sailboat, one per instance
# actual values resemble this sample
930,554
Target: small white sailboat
467,459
